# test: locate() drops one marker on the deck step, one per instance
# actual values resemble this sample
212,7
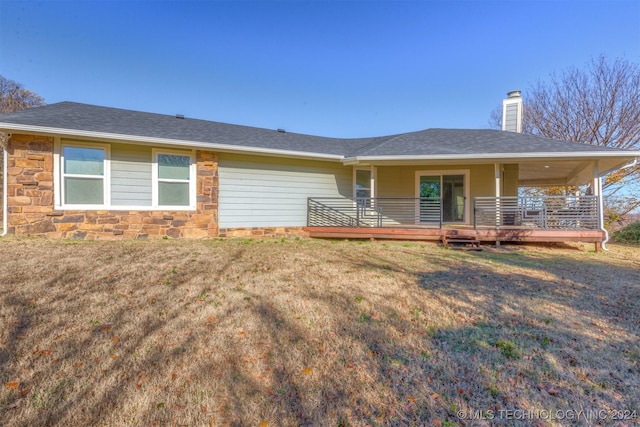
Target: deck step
461,243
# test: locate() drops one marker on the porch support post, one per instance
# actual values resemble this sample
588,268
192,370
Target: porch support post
498,182
373,181
597,191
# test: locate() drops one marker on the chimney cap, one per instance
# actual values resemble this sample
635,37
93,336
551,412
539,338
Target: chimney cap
179,116
514,94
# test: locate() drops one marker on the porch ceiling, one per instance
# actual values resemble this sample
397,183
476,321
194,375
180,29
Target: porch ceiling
563,172
533,171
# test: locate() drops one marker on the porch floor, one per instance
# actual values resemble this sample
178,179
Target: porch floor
484,234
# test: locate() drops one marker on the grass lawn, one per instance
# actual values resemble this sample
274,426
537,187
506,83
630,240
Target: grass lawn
309,332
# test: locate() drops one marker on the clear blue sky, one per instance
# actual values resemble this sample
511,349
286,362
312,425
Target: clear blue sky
331,68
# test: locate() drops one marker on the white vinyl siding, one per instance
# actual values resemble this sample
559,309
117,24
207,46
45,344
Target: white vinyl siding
130,175
269,192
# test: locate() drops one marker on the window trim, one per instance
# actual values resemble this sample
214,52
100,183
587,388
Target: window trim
466,183
59,187
58,181
373,171
373,179
155,179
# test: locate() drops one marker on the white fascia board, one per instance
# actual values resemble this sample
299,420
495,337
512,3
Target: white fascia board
115,137
502,157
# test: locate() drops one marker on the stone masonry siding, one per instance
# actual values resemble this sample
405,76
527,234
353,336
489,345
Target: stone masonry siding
30,202
277,232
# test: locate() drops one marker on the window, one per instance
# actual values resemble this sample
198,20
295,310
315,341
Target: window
91,175
363,181
173,179
84,175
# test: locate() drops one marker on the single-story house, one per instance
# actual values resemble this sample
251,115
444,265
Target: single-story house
88,172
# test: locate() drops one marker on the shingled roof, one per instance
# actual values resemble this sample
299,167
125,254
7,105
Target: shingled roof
75,119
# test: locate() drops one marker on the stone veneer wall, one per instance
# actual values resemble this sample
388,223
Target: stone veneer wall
276,232
30,202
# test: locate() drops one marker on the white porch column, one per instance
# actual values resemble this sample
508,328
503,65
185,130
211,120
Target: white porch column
373,181
597,191
498,181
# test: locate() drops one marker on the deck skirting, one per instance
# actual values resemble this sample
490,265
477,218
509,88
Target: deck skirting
431,234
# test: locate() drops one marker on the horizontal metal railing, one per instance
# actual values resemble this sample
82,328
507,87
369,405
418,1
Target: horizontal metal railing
331,213
373,212
546,213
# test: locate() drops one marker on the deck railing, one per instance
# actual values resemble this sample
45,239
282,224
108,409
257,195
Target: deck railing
546,213
373,212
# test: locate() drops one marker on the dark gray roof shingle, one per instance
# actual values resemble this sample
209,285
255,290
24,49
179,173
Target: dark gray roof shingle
83,117
469,142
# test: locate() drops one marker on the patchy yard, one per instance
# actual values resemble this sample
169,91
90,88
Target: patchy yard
271,332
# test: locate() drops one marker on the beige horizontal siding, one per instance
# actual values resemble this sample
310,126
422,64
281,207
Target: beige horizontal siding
131,175
269,192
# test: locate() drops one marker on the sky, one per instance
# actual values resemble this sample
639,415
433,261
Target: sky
330,68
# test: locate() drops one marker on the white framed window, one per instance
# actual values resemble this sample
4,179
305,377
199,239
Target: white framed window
364,184
84,175
97,176
174,179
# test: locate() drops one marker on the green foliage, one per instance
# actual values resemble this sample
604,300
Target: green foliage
364,317
629,234
508,349
494,391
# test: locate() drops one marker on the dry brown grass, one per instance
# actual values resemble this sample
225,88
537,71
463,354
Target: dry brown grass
270,332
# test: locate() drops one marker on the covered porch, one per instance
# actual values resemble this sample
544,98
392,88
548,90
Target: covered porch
494,219
429,200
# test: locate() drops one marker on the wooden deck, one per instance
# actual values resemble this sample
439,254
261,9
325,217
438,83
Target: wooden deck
435,234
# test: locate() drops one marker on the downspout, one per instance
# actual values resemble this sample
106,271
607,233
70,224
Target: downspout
497,167
4,189
603,245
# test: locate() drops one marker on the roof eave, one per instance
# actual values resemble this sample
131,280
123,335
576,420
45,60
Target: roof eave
106,136
494,157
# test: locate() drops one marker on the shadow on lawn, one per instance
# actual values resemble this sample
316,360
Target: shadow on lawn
584,350
505,340
118,373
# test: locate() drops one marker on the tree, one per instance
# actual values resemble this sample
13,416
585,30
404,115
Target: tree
598,104
14,97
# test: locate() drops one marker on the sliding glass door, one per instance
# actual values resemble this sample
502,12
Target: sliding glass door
430,189
450,189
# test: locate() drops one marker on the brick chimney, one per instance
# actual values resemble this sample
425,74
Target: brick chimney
512,112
